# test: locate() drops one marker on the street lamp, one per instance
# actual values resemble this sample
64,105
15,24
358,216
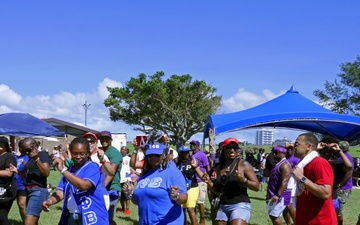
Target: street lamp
86,107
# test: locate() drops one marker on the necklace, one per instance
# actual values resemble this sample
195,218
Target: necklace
228,169
229,166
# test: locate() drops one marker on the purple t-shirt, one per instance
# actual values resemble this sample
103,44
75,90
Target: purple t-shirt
275,182
349,184
293,161
202,160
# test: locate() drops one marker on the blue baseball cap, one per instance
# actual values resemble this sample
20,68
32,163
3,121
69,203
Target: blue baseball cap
184,149
155,149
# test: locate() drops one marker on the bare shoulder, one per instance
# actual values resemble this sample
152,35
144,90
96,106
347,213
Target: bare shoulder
286,166
244,163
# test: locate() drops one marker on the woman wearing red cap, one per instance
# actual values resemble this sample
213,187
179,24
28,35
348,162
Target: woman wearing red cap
235,176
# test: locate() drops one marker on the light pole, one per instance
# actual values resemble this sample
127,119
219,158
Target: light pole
86,107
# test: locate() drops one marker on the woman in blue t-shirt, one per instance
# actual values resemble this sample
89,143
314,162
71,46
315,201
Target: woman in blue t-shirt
160,190
81,187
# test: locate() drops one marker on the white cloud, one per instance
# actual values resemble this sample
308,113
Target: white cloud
65,106
107,82
8,96
244,99
69,107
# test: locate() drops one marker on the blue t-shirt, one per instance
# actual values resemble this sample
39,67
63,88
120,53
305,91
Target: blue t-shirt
90,202
21,160
151,193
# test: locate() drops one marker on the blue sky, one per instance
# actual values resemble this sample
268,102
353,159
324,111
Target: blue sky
54,55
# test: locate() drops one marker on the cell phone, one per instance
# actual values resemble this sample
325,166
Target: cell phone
171,151
140,140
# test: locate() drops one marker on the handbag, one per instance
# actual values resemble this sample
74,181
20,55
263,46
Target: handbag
216,202
8,192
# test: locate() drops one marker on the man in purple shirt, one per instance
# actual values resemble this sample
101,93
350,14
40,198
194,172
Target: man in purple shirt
289,212
345,185
203,163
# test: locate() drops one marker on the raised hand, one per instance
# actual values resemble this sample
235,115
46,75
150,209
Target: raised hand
13,168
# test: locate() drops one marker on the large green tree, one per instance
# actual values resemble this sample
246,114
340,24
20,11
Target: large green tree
177,106
343,96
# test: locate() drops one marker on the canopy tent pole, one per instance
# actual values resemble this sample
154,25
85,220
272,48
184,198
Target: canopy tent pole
12,143
211,141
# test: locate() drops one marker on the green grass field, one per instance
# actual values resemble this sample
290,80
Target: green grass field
258,215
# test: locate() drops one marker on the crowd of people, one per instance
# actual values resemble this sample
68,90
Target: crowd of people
306,182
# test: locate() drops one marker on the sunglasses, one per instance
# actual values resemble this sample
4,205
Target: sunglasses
91,141
232,147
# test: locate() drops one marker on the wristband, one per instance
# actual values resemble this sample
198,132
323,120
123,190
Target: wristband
246,180
103,162
36,160
177,197
63,170
196,167
277,195
50,201
134,152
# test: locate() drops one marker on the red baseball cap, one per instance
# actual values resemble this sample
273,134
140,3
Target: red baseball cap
228,141
89,134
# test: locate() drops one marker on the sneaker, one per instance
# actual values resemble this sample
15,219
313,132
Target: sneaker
127,211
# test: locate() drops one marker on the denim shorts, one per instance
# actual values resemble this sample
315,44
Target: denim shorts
34,199
230,212
114,196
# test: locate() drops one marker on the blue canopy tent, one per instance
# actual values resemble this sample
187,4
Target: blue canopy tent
24,124
290,110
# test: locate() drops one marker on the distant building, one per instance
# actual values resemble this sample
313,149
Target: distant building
264,137
119,140
282,142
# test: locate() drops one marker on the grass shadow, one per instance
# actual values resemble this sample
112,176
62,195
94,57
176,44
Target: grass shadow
15,222
259,199
128,219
